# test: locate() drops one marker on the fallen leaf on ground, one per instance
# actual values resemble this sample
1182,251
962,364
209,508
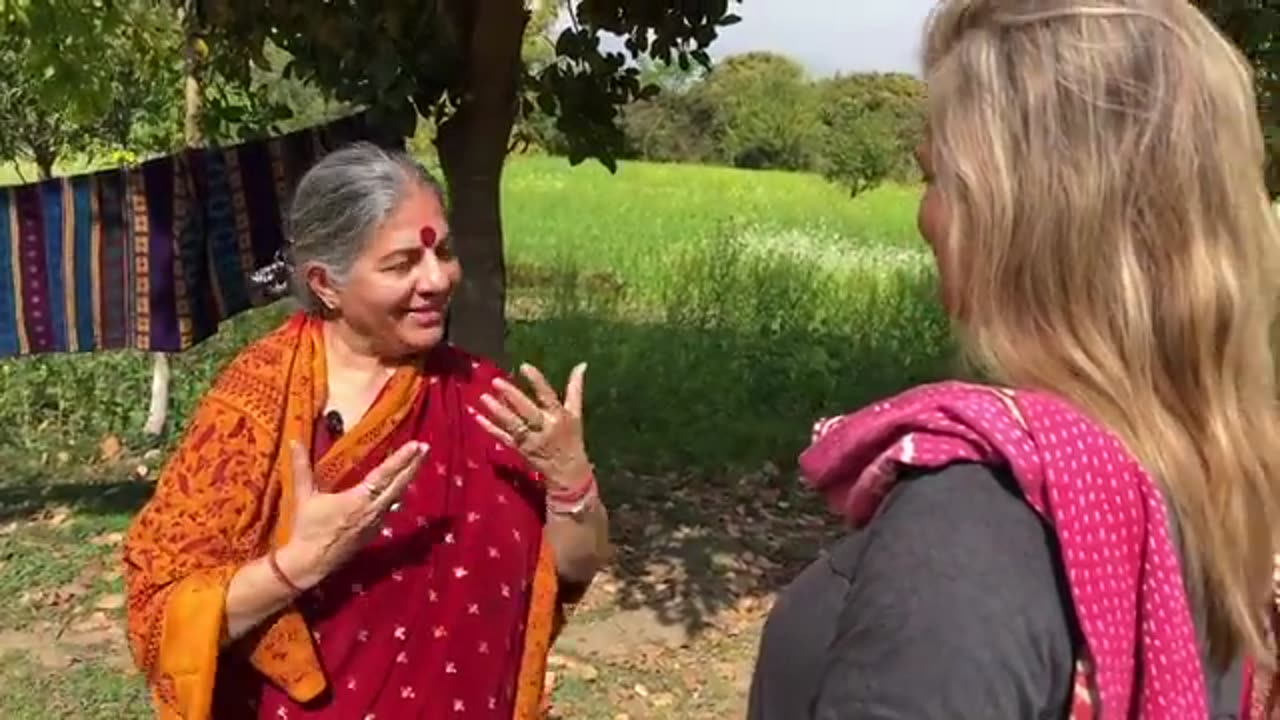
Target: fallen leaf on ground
97,629
53,598
110,448
96,621
107,539
114,601
57,516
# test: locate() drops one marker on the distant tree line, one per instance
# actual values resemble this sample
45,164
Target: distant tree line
757,110
761,111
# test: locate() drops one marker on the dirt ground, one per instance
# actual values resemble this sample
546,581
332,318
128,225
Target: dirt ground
668,631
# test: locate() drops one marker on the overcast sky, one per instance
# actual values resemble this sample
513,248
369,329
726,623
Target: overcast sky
831,35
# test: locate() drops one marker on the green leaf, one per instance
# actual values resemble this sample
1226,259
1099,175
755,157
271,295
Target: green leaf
547,103
567,43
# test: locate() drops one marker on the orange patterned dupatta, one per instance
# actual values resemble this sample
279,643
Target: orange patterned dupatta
224,498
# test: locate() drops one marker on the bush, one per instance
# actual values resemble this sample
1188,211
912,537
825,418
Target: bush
765,112
672,127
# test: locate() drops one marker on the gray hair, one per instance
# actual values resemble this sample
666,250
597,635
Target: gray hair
336,207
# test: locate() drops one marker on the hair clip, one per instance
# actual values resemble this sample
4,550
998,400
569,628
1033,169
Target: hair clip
274,277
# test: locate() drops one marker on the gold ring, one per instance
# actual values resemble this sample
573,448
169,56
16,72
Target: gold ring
521,432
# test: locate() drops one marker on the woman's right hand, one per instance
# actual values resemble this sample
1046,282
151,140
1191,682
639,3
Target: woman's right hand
328,528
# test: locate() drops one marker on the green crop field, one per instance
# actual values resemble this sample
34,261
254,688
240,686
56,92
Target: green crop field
720,311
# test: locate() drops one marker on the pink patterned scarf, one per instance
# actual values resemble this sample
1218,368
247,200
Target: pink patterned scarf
1140,651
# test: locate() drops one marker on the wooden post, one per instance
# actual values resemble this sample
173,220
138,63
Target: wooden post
193,137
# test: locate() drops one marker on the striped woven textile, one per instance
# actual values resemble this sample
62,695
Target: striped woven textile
151,257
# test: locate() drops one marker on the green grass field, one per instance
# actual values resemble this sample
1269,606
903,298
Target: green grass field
721,311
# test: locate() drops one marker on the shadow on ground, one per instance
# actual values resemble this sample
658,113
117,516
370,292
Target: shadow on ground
29,499
695,431
715,551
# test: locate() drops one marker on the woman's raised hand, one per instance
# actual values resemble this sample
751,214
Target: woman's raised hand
328,528
546,431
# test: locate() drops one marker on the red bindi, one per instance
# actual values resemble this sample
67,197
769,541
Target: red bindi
427,235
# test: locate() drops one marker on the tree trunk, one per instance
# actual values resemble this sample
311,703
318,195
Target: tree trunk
42,144
191,127
472,145
44,162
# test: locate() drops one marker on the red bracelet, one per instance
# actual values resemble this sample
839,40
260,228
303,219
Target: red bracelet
284,579
576,494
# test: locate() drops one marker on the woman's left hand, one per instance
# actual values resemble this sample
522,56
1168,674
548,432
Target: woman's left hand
547,433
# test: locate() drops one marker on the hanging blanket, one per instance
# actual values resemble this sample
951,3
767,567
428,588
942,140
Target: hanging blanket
151,257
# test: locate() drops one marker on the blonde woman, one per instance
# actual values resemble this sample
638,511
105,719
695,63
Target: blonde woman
1092,533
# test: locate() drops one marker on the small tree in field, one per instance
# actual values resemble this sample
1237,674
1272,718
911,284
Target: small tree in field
31,132
122,97
871,123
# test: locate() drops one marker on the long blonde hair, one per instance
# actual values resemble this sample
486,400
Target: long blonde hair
1102,168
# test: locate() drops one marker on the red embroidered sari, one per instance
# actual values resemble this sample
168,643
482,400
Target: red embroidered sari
448,613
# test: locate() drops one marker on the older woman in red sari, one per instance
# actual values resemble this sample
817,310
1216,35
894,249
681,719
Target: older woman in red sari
362,521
